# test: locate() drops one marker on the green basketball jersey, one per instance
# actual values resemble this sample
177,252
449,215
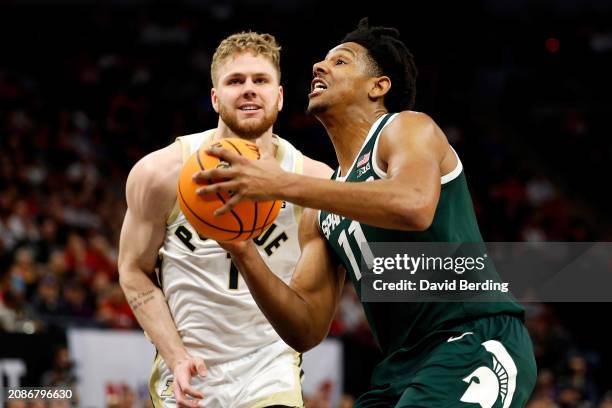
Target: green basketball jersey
398,325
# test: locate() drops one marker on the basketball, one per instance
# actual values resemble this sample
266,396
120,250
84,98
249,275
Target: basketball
246,220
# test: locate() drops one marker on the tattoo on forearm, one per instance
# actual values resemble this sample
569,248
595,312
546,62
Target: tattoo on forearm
141,299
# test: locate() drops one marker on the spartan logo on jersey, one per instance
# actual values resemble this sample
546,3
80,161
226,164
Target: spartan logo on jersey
487,386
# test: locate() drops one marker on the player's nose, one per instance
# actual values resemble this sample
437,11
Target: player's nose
318,69
249,88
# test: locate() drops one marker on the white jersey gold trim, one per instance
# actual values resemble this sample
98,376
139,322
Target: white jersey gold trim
270,376
216,321
185,153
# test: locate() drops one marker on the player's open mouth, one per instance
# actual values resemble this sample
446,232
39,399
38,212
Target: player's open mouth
249,108
317,86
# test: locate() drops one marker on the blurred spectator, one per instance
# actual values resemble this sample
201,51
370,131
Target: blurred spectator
61,373
19,315
16,404
540,190
120,396
542,402
75,302
545,386
21,224
321,398
577,382
571,397
46,300
606,401
48,240
350,317
24,266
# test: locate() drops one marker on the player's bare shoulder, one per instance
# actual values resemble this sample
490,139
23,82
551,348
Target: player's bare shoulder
151,184
414,130
413,124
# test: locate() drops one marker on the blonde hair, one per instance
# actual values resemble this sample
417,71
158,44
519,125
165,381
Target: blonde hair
256,43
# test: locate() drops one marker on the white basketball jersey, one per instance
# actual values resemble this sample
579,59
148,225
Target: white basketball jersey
212,307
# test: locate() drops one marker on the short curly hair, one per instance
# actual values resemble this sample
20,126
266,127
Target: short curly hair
389,56
256,43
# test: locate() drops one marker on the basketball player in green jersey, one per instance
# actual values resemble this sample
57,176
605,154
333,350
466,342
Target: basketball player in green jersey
398,180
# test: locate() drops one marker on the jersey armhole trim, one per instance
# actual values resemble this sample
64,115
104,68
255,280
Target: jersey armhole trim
154,380
281,148
443,180
379,172
447,178
185,152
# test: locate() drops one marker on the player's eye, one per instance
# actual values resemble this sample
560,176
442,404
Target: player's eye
234,81
340,62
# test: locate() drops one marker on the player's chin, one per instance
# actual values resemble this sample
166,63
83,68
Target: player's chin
315,107
252,129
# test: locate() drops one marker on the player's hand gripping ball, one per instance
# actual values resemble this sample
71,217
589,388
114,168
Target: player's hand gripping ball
247,220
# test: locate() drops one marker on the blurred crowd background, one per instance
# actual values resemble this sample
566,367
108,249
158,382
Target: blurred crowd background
522,90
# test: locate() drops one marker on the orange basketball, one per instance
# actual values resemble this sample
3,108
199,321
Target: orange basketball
246,220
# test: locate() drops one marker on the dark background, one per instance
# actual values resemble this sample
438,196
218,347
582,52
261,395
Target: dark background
522,90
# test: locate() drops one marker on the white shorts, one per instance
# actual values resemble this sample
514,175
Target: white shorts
269,376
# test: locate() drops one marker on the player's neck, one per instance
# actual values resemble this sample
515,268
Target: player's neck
347,132
266,142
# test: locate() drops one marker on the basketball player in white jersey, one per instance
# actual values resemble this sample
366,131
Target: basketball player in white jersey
215,347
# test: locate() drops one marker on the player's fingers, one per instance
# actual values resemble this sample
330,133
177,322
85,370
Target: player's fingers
200,367
224,154
187,389
192,392
181,400
203,177
218,187
187,403
227,207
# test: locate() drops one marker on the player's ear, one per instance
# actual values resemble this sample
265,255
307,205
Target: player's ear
280,97
214,100
380,87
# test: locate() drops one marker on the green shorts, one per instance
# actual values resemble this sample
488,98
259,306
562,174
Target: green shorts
485,363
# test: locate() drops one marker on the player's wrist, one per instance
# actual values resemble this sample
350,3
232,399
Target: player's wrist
289,187
238,250
177,359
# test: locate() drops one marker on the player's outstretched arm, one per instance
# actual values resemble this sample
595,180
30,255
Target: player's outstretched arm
411,150
150,193
302,312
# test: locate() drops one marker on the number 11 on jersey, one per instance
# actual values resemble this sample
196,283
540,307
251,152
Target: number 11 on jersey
355,234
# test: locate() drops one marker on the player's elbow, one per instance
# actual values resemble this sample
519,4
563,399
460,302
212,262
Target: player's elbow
302,344
422,220
306,335
127,279
415,217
